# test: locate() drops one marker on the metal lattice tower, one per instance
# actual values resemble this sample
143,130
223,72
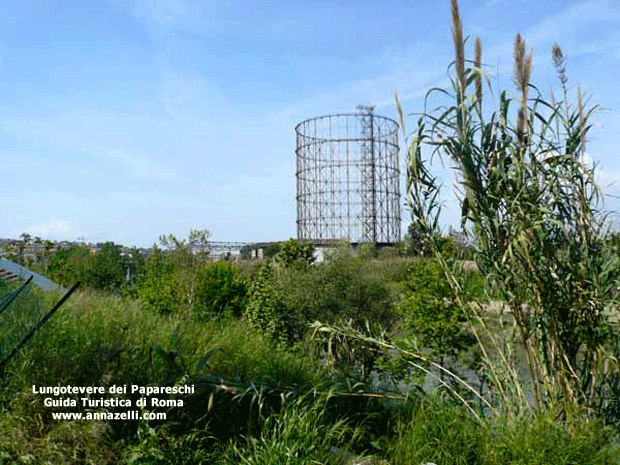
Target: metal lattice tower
348,178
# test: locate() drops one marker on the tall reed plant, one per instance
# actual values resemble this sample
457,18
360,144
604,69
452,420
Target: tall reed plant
535,212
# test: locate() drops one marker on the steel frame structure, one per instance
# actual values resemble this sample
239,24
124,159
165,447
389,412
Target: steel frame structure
348,178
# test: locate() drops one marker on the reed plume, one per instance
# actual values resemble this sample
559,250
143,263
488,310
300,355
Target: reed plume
457,38
558,63
478,65
522,72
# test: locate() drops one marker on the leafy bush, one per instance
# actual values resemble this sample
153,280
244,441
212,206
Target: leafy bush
266,310
68,265
221,291
367,251
158,287
388,253
431,314
295,253
106,270
338,289
171,280
283,301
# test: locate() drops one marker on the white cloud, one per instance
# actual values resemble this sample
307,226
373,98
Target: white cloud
54,229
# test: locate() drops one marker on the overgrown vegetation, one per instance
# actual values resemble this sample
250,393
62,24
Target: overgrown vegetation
501,350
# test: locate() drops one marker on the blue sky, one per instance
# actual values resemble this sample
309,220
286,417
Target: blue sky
124,120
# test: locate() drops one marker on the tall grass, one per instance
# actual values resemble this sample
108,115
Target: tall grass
298,435
443,433
99,340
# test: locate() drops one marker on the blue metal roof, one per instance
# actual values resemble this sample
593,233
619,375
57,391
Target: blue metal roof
23,272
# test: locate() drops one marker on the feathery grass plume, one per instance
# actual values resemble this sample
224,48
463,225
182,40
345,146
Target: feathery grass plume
523,66
518,54
478,64
401,116
522,71
457,38
527,72
558,63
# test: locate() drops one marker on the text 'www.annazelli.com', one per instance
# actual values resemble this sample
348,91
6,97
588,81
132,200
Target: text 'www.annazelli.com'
128,415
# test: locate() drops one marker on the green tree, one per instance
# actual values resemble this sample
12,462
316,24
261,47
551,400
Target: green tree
157,287
26,238
295,253
106,270
68,265
187,256
431,314
171,278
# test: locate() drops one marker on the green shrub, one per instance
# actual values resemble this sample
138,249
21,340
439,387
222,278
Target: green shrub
160,294
367,251
221,291
157,288
336,290
295,253
68,265
430,313
266,310
284,301
105,270
388,269
388,253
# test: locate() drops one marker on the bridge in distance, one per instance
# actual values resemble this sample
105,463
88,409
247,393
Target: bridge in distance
224,246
